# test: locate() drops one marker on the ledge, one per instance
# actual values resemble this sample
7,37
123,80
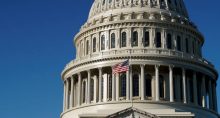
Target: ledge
173,104
139,53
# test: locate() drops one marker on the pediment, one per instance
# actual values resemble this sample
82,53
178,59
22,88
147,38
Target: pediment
132,113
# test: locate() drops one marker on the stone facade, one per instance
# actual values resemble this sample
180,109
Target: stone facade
168,76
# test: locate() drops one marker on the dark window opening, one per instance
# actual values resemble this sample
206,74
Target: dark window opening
147,39
113,40
135,39
169,41
158,40
124,38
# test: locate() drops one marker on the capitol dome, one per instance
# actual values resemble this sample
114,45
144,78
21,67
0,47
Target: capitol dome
117,6
167,75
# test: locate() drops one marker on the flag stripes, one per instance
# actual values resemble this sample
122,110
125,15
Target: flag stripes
121,67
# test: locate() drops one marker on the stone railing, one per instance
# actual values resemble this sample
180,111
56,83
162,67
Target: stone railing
137,52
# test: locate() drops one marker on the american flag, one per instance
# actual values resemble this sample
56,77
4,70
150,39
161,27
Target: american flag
121,67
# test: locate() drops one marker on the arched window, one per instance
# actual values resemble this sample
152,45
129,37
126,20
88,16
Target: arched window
113,40
84,92
94,45
187,45
162,87
169,41
122,85
87,47
148,79
135,85
103,2
178,43
135,39
92,90
146,39
103,42
123,39
158,40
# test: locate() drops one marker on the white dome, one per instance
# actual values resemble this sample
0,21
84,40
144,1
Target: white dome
167,75
112,6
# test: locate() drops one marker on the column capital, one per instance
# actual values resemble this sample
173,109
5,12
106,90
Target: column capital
64,81
157,66
194,72
100,68
142,65
171,66
79,74
183,69
112,67
88,71
71,77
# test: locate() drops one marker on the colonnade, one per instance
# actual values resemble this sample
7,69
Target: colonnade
168,83
149,38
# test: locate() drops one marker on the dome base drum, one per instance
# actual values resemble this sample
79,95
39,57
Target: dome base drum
167,78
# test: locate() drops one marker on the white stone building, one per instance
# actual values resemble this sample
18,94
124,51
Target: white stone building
168,77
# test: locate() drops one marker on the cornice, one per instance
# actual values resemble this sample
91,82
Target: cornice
138,23
158,57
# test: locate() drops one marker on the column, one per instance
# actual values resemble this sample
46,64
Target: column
113,86
75,94
108,43
79,91
203,92
149,3
140,35
88,88
105,87
163,38
91,45
129,37
131,83
210,95
98,42
195,96
184,85
171,83
167,5
117,87
64,95
157,95
143,87
67,95
117,39
127,86
158,3
71,92
86,94
100,84
152,37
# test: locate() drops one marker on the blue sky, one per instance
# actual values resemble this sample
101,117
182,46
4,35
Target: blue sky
36,43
